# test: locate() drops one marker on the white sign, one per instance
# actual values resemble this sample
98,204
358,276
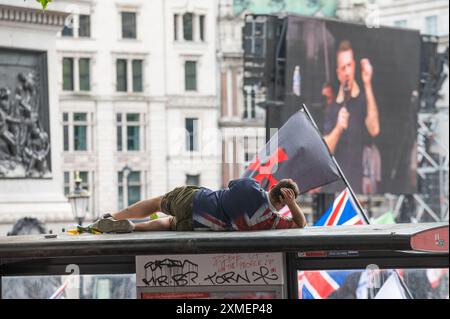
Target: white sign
209,270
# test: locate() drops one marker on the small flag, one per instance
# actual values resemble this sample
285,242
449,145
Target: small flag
392,289
343,211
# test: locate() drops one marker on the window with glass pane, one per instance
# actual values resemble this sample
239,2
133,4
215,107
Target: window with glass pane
84,179
67,31
175,27
66,183
119,131
84,69
431,25
188,33
192,134
121,65
202,27
129,25
120,190
80,131
137,75
193,180
85,26
134,187
68,74
93,287
374,284
190,73
400,23
132,138
66,131
133,132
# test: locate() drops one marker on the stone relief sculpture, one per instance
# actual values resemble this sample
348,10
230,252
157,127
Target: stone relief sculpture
24,144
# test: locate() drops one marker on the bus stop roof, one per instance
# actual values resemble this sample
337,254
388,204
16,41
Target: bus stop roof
361,238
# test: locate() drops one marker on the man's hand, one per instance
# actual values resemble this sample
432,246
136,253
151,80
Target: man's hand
342,119
366,71
288,196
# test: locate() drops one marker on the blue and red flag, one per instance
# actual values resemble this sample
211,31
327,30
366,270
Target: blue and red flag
343,211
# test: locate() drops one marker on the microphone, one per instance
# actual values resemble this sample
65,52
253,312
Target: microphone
346,92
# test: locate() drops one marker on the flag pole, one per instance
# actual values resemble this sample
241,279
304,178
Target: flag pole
347,184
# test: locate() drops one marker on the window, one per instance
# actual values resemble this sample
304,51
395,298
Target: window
119,132
85,26
69,185
202,27
249,103
188,33
193,180
401,23
76,74
133,132
84,69
128,25
121,65
128,130
175,27
78,26
80,131
421,283
190,75
431,25
137,75
67,31
132,82
77,128
249,151
66,131
66,183
191,134
132,186
68,74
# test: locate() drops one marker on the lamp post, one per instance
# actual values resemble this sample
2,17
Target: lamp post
79,200
125,173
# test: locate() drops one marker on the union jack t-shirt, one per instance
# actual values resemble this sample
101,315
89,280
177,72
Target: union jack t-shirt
243,206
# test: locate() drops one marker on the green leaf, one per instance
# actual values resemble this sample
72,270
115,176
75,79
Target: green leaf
44,3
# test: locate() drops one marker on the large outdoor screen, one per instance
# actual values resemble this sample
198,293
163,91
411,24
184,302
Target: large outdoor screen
361,85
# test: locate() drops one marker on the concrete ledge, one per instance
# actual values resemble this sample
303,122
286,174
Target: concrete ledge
362,238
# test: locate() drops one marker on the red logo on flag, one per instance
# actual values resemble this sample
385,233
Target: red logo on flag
265,171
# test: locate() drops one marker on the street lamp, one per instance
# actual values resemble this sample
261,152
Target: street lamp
79,200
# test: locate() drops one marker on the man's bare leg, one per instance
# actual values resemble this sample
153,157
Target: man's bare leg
141,209
159,224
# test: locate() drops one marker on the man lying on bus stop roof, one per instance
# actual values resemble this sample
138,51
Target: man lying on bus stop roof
243,206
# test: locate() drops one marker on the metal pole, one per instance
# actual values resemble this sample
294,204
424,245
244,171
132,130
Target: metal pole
344,179
292,275
355,199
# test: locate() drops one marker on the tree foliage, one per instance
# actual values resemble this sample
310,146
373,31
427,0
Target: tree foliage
44,3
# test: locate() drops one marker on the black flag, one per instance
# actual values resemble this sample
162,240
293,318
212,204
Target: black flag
296,151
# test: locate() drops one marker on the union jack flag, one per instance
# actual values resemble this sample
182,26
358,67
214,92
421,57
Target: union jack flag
342,212
321,284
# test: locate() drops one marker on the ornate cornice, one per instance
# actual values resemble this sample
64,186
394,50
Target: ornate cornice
32,16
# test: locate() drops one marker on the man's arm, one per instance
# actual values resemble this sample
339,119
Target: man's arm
297,214
372,119
332,139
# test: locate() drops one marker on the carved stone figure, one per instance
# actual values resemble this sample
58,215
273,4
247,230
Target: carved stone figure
24,145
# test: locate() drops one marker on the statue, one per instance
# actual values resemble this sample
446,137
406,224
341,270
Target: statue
24,145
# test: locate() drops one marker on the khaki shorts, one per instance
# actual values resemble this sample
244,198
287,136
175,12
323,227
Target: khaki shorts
178,203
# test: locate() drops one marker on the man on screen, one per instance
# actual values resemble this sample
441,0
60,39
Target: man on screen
352,120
